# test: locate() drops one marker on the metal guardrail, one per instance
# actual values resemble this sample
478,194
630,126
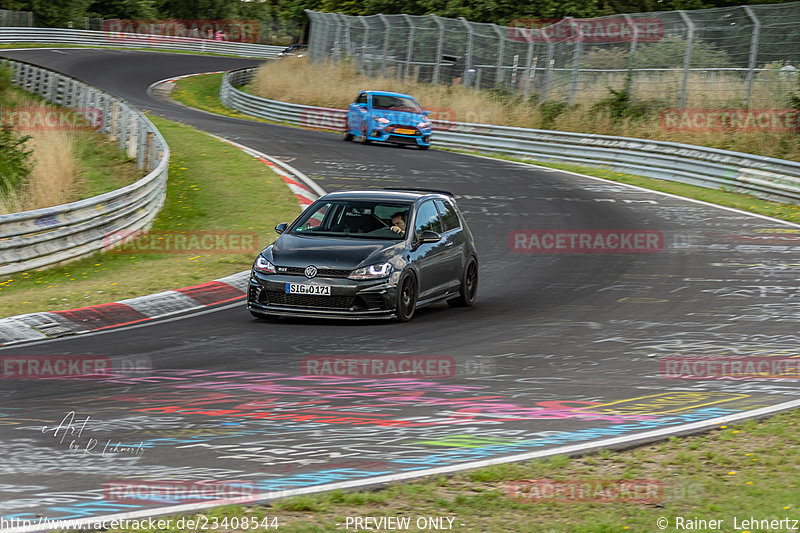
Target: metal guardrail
764,177
135,40
43,237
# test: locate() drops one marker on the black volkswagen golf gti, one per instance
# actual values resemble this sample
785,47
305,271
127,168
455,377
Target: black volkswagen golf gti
367,254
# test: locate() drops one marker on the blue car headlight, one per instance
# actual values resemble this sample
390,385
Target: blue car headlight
381,120
424,125
378,271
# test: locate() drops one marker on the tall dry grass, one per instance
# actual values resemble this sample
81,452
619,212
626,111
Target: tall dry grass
336,85
55,177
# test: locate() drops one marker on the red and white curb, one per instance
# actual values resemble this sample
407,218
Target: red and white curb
37,326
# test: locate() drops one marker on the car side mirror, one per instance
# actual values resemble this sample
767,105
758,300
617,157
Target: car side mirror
282,227
362,104
426,112
428,237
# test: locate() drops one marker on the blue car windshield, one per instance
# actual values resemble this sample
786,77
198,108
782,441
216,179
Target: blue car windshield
354,219
395,103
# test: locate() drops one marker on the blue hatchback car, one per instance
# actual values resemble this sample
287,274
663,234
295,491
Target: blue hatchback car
388,117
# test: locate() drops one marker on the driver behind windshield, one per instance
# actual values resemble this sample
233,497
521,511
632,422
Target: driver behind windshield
399,222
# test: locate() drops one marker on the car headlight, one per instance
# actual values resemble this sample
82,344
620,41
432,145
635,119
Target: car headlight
263,265
381,270
423,125
382,120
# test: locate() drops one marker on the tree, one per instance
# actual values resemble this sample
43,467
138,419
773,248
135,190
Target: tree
123,9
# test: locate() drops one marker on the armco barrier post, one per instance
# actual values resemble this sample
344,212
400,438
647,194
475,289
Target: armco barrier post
133,136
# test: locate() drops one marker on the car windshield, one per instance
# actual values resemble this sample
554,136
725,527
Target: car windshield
354,219
395,103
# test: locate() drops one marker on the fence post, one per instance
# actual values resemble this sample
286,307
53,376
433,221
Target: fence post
411,29
576,58
385,43
751,64
337,39
687,56
631,54
468,57
548,73
501,41
364,47
439,50
526,83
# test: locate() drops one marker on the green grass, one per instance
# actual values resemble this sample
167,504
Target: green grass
212,186
202,92
734,471
104,167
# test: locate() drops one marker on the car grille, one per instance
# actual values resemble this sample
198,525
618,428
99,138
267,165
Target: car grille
370,301
321,273
307,300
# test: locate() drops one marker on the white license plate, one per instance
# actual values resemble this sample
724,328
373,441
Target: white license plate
299,288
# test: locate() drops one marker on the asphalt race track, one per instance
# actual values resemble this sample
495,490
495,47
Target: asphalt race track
562,349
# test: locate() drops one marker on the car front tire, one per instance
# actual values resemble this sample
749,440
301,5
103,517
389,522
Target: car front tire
363,139
469,286
406,297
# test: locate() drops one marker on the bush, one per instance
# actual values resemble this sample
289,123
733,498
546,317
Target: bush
619,105
15,164
550,110
6,79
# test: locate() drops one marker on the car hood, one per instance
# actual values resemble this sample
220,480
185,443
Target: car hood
333,253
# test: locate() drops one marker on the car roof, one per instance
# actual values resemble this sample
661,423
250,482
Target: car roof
389,93
406,195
